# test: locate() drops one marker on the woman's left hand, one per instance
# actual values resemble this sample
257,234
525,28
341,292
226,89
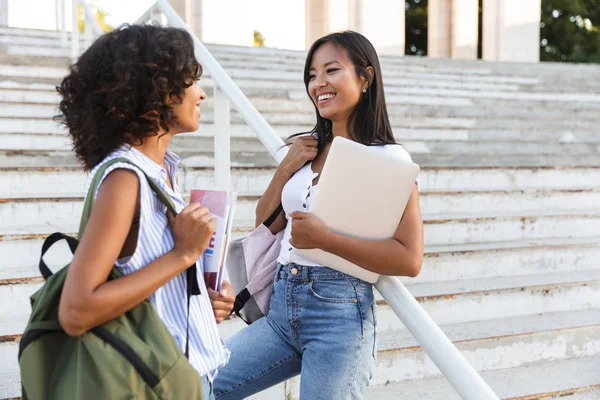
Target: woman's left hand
308,231
222,301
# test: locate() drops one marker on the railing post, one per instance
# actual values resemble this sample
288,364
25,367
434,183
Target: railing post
88,34
222,147
75,32
451,363
57,7
4,13
155,16
61,17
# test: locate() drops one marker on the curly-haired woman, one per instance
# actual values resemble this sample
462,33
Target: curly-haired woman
126,97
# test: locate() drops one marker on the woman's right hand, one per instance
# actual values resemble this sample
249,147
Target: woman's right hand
192,230
303,149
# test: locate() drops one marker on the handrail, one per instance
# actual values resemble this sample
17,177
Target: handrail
451,363
92,27
253,118
461,375
3,12
89,16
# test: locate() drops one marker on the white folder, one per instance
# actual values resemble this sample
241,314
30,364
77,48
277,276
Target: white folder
362,193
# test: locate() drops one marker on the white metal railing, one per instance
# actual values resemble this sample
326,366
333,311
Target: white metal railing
3,12
92,28
467,382
225,91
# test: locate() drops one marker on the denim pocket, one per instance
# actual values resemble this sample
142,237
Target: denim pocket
333,290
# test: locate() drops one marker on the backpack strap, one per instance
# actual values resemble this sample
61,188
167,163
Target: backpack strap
242,297
191,273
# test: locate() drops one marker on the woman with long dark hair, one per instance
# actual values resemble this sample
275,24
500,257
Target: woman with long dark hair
322,322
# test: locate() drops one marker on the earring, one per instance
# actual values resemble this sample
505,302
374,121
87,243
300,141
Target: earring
364,90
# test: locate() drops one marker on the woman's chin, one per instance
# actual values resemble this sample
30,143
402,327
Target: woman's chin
327,114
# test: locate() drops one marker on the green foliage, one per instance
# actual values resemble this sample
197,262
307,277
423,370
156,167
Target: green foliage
570,31
100,17
416,27
259,40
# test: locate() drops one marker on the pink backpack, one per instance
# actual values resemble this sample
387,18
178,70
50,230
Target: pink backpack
251,265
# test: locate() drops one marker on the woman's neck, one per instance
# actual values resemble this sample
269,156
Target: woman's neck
340,128
155,147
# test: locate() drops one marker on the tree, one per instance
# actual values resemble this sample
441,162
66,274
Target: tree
570,31
259,40
416,27
100,17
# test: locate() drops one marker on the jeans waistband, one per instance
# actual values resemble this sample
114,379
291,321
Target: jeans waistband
304,273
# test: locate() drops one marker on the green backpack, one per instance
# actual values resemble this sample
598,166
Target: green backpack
131,357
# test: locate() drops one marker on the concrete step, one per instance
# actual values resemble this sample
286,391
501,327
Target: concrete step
70,181
41,129
447,303
572,379
14,147
513,383
21,212
265,93
431,202
567,291
415,84
29,216
483,343
414,104
191,159
286,56
491,353
304,109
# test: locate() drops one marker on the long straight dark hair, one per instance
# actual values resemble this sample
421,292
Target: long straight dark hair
368,123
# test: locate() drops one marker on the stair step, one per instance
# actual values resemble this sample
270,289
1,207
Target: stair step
558,336
458,302
61,181
430,202
302,110
59,214
539,381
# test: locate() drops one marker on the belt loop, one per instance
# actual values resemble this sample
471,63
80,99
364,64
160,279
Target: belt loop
305,275
277,271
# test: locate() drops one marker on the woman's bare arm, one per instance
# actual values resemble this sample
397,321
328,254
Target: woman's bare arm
400,256
303,149
88,299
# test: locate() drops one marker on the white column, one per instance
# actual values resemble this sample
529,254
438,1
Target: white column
239,29
465,23
383,23
75,30
222,147
511,30
452,28
180,7
4,13
439,28
317,20
60,22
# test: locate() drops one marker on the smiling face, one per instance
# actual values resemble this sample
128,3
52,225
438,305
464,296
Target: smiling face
333,84
187,110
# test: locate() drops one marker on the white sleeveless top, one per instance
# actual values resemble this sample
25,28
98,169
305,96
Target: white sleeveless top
207,351
297,194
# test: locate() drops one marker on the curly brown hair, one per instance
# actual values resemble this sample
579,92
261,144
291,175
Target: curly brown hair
119,89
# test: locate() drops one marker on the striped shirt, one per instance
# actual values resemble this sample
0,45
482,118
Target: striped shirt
207,352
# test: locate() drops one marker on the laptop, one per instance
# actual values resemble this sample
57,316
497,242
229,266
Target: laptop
362,193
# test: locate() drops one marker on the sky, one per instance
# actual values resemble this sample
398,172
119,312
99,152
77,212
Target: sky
280,22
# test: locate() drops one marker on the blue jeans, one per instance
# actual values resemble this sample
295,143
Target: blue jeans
207,389
321,323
